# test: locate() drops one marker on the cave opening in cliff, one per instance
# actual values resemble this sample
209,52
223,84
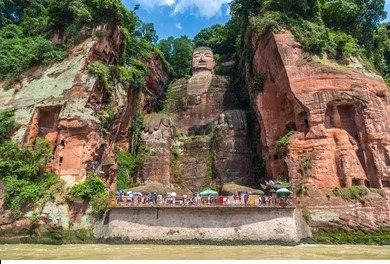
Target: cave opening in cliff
358,182
48,120
303,122
385,156
343,117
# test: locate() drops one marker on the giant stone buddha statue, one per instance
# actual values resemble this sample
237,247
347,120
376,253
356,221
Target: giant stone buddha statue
202,71
208,116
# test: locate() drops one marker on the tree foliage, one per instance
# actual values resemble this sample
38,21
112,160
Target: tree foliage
26,28
178,52
340,28
147,32
7,125
23,173
88,189
221,39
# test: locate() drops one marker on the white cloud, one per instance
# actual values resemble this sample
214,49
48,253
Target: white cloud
149,4
205,8
178,26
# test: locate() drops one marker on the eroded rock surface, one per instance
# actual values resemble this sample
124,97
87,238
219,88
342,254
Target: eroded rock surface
65,104
340,115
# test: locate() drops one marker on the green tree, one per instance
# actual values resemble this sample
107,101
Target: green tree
359,18
219,38
147,32
7,125
23,173
308,9
178,52
381,44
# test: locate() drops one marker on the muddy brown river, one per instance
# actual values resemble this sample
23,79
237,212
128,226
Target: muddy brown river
192,252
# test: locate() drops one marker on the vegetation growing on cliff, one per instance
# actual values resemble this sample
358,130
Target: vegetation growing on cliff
257,85
339,28
178,52
38,32
335,235
26,29
126,168
24,175
7,125
351,193
282,141
92,189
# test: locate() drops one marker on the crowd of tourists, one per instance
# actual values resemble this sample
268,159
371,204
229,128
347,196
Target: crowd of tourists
171,199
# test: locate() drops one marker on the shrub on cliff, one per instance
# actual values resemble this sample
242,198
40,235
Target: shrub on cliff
7,124
282,141
87,189
92,189
22,171
351,193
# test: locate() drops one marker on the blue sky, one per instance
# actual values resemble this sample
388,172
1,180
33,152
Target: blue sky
186,17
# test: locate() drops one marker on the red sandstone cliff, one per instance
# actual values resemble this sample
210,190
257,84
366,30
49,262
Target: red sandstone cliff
64,103
341,118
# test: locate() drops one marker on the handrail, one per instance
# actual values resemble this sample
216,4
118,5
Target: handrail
180,201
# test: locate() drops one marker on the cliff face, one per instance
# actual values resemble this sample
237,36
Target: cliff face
64,104
339,113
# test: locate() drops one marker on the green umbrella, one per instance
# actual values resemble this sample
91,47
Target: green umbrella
283,191
208,192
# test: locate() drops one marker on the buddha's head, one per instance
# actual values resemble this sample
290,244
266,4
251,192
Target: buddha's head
203,59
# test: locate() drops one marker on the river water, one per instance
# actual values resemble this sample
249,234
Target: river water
192,252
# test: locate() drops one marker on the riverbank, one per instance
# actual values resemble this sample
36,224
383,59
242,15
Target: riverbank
192,252
60,236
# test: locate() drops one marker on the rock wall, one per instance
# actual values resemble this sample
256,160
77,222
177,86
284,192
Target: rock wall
367,216
340,115
216,224
64,104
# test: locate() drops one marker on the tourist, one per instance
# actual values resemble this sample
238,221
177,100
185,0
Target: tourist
94,165
273,199
159,199
289,201
236,199
173,199
246,197
155,198
209,199
220,200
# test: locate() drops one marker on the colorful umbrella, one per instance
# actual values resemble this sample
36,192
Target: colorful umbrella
283,191
208,192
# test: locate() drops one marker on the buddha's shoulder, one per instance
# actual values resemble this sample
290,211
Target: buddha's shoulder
219,81
179,85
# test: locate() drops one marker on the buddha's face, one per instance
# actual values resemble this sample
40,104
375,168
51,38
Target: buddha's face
203,59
